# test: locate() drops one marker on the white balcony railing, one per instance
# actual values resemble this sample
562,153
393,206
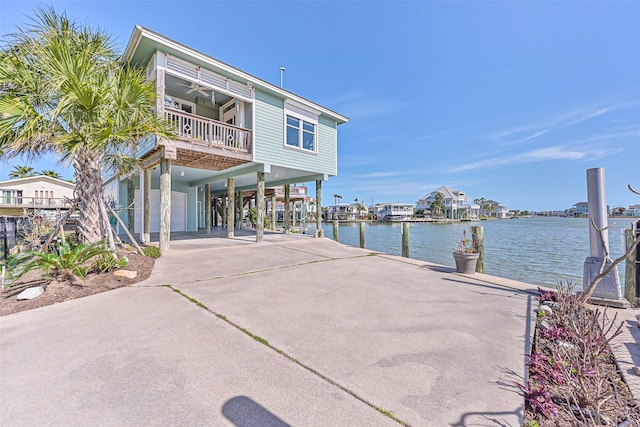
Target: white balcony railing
204,131
35,202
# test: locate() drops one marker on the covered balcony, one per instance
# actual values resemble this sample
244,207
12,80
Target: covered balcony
212,117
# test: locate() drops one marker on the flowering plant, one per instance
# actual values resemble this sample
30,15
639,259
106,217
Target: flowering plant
466,245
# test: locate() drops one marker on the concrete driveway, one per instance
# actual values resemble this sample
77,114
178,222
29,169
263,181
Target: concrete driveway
292,331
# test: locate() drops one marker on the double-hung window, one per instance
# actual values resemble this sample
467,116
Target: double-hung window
301,128
301,134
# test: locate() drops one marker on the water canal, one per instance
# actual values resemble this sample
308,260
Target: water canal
537,250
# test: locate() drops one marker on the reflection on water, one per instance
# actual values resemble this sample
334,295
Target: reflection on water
538,250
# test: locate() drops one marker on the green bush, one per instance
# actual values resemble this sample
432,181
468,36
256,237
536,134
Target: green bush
152,252
106,262
65,262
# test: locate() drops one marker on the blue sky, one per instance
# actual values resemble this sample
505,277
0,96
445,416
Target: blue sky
511,101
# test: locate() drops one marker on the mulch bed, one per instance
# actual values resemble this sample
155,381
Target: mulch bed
56,292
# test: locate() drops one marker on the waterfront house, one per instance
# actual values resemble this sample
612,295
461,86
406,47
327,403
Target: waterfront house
634,210
235,133
41,193
491,208
580,209
456,204
343,212
394,212
303,205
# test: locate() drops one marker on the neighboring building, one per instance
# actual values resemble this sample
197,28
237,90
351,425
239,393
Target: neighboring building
44,193
491,208
456,204
393,212
345,212
233,129
580,209
302,207
634,210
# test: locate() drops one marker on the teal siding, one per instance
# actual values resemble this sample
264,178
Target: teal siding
269,139
328,141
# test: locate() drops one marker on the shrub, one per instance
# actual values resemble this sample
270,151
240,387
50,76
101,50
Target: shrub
64,262
152,251
106,262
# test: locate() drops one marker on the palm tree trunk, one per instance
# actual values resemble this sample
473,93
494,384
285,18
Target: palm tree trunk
93,224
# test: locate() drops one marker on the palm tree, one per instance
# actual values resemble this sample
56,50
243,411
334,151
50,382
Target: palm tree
335,199
21,172
51,173
438,203
63,90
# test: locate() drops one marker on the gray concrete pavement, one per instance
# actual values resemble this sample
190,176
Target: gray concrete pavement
411,338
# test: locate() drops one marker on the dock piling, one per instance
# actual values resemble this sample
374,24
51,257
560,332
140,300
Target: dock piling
405,239
361,234
477,236
335,230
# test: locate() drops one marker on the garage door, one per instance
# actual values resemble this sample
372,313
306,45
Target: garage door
178,211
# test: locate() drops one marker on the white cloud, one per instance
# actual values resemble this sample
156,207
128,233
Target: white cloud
541,154
540,127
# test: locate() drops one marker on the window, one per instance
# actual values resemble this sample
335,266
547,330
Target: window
300,134
301,124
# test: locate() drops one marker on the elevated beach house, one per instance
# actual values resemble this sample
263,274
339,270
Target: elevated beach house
235,134
457,205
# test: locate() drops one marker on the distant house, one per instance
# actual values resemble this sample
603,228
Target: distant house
302,207
491,208
40,192
393,212
344,212
580,209
634,210
456,203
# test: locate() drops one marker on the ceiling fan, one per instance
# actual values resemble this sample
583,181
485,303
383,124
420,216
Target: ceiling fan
193,87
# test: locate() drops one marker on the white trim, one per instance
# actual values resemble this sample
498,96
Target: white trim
302,118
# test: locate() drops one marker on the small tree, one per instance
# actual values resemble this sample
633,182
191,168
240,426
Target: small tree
51,173
21,172
437,205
